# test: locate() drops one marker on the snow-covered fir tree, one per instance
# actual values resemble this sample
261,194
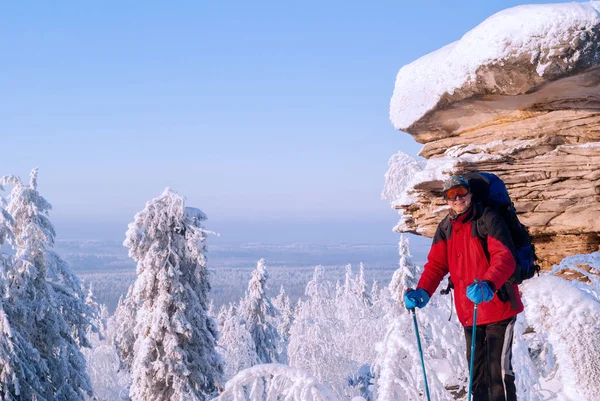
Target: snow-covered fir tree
286,314
109,380
356,286
284,321
333,332
375,292
236,344
348,282
258,314
44,305
21,365
121,329
6,222
221,316
360,322
279,300
339,288
317,334
100,314
362,287
91,299
402,169
174,356
211,309
406,275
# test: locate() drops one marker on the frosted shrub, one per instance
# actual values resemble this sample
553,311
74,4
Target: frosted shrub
398,373
399,178
109,380
316,336
275,382
333,331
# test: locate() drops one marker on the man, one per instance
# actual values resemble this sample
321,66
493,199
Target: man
478,267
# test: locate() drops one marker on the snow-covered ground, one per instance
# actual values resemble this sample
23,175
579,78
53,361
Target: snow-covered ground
556,352
565,317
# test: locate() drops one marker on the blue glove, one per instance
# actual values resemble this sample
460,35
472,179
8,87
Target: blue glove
416,298
480,291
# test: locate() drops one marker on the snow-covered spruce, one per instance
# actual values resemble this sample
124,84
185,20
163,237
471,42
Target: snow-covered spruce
406,275
173,356
121,329
21,363
361,287
45,319
361,320
284,321
258,314
236,344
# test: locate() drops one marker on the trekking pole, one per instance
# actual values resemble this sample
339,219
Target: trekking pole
474,333
421,353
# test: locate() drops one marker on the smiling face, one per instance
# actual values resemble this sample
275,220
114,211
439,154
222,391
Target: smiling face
460,203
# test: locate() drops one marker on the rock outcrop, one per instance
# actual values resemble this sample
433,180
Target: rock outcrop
528,110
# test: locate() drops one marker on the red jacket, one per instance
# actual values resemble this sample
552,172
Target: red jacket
457,249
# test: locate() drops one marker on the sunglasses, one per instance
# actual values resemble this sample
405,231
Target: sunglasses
453,193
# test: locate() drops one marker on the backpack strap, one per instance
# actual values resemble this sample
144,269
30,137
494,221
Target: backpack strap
506,292
481,230
446,228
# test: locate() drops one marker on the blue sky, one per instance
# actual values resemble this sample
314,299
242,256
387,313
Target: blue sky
272,117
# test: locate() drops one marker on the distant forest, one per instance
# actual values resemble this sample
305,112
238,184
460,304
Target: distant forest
106,265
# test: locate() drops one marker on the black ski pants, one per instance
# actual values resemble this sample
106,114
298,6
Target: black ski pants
493,377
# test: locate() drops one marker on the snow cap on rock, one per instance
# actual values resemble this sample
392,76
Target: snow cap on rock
546,41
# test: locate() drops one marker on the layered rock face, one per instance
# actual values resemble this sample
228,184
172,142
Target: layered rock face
532,117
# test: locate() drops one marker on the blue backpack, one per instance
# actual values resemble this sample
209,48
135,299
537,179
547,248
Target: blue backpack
490,190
